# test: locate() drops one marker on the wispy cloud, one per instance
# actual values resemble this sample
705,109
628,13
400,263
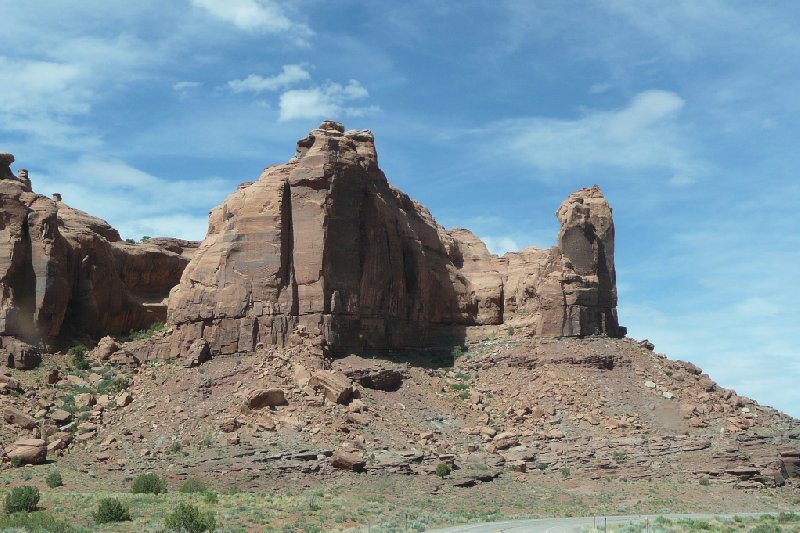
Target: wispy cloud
642,135
331,100
136,202
289,75
254,15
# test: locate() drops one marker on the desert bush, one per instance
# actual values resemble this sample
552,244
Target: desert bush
22,500
54,480
38,522
16,462
149,483
111,510
137,335
78,355
175,447
189,519
704,481
442,470
192,485
211,497
788,517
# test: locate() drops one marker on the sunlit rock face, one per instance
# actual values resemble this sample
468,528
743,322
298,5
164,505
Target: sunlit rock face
324,243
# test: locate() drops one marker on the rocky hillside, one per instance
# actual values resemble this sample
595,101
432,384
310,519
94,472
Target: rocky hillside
327,326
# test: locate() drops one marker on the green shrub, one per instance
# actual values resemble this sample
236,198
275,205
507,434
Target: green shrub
137,335
38,522
149,484
510,330
565,472
22,500
464,395
111,510
459,386
78,354
193,485
211,497
54,480
175,447
442,470
16,461
788,517
189,519
704,481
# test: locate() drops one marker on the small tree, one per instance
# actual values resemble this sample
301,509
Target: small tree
111,510
149,484
54,480
22,500
189,519
442,470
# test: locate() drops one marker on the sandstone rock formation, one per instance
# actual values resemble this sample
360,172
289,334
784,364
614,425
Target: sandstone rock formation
65,274
324,242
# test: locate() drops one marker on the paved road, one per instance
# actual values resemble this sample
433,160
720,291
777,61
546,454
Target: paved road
562,525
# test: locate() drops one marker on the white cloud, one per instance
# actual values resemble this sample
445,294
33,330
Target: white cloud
500,244
253,15
134,201
641,136
289,75
324,101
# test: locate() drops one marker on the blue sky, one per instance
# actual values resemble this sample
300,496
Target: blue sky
685,112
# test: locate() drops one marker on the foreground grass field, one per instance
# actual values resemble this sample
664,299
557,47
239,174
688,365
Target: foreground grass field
381,503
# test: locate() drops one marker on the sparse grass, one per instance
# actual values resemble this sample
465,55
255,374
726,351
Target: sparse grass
39,522
459,386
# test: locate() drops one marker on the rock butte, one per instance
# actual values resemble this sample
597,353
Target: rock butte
326,244
65,274
323,244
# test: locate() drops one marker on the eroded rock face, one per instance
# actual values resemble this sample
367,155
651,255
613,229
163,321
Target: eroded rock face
579,294
325,243
64,273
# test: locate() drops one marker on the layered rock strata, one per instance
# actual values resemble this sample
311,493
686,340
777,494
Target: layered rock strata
66,274
325,243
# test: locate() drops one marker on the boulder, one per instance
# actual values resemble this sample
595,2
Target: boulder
198,353
371,374
30,451
18,418
123,399
335,387
104,349
10,383
343,460
60,417
260,398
